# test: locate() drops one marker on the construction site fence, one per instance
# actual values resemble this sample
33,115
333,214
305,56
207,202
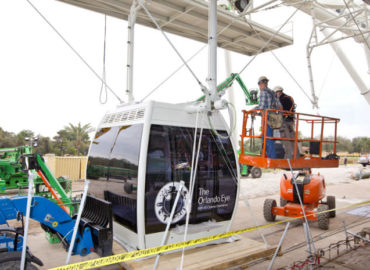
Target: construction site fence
73,167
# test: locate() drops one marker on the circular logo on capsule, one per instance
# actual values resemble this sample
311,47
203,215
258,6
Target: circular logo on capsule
165,200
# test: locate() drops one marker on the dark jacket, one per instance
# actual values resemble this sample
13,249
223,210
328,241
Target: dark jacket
288,104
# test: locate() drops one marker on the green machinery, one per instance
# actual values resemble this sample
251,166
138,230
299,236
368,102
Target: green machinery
246,170
13,177
251,97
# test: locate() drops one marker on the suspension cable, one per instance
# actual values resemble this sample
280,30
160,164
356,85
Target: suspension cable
172,74
270,39
102,87
291,76
193,173
171,44
326,76
74,50
284,67
191,58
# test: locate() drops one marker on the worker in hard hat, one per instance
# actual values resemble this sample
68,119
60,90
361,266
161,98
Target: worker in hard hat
268,100
287,129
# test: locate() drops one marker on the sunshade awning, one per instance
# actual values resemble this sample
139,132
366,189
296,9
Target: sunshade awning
189,18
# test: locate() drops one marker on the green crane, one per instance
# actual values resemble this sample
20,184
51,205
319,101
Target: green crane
251,97
12,175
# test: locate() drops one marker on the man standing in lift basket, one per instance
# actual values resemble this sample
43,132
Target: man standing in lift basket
287,130
267,100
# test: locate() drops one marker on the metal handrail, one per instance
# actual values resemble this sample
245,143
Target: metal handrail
308,118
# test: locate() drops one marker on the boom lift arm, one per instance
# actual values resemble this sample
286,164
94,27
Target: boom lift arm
251,97
37,163
95,230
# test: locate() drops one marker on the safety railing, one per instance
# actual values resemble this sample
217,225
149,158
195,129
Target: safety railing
309,160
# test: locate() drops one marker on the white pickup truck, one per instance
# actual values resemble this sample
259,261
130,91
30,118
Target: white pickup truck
364,160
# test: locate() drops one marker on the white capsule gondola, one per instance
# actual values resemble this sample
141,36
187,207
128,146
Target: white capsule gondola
138,157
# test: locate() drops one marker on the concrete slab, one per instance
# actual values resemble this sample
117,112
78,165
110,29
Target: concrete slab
345,190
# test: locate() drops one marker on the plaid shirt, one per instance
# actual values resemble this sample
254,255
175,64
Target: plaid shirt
267,100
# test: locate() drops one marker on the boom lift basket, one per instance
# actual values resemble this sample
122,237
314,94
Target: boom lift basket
313,159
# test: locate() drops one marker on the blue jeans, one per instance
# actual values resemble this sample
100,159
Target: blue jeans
270,144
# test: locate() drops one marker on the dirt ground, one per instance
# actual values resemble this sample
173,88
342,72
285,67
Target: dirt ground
254,192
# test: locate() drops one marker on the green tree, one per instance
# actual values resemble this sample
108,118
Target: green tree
61,143
22,135
44,145
79,136
344,144
361,144
7,139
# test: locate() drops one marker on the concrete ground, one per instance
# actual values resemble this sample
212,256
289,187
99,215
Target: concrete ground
346,191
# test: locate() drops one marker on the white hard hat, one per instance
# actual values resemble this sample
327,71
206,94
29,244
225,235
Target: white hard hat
262,78
278,88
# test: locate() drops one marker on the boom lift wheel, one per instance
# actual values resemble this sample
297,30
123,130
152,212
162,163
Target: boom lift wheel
323,218
256,172
330,201
267,209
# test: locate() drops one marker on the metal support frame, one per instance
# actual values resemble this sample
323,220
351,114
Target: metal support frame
212,53
350,68
78,219
28,212
311,249
314,100
130,51
351,21
279,246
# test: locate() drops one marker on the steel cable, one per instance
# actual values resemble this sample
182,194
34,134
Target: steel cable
73,49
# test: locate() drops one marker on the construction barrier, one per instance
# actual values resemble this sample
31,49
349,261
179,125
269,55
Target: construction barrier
161,249
73,168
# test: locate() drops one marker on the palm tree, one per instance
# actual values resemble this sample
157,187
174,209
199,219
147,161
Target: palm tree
79,135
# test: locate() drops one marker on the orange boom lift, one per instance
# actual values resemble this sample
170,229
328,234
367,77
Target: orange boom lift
303,186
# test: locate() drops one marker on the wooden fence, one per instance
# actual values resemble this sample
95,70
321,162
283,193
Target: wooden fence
73,168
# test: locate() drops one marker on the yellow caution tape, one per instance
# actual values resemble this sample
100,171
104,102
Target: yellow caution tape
156,250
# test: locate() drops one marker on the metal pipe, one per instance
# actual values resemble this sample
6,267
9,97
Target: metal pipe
309,65
130,51
212,52
164,238
350,69
279,245
234,135
28,212
302,207
367,52
305,229
359,236
78,219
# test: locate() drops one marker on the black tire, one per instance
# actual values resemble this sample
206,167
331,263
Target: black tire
12,261
283,202
323,218
330,201
256,172
267,209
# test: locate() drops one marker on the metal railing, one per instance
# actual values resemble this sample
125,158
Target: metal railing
312,120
